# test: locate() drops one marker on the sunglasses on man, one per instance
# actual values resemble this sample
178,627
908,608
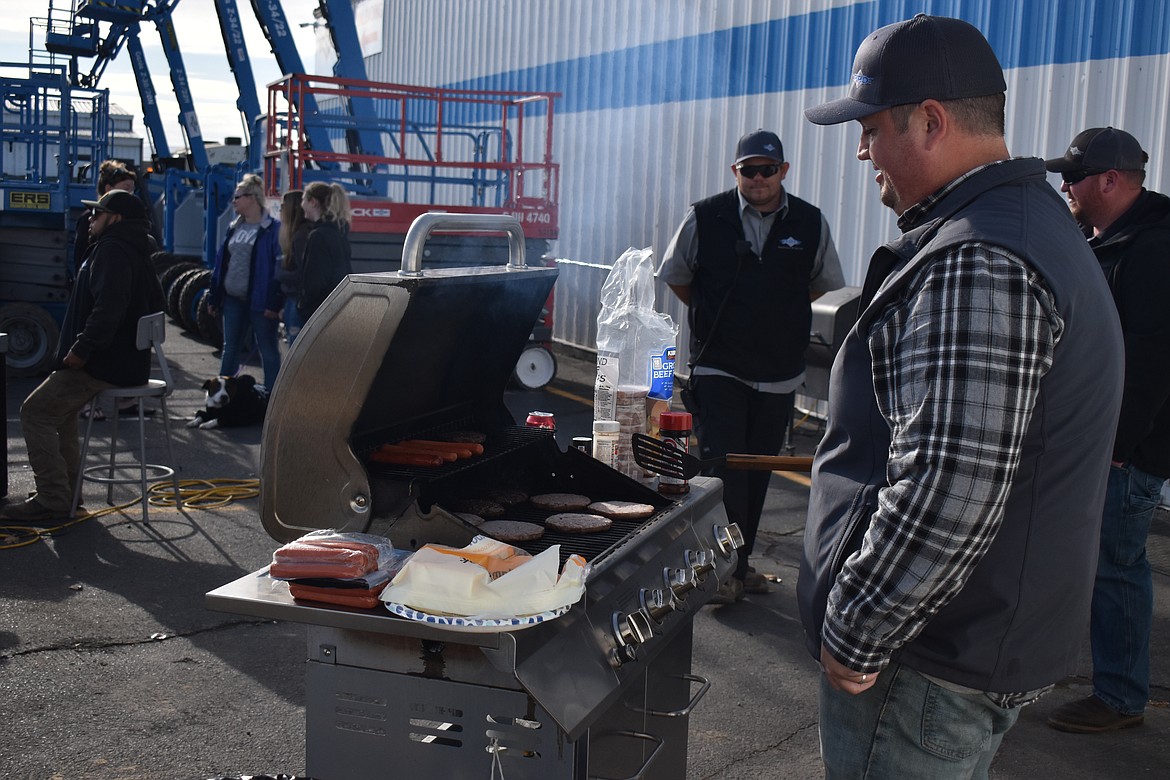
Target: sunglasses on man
752,171
1075,177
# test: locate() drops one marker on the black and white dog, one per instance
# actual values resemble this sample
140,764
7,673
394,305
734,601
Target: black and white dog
232,402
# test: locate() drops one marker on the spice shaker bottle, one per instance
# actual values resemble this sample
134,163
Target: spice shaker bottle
606,438
674,429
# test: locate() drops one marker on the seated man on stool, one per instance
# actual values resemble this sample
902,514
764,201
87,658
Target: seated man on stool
98,350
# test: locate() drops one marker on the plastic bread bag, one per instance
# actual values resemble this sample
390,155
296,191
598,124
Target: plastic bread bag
330,554
635,353
487,579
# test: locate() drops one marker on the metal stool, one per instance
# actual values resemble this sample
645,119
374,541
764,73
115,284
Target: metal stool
151,335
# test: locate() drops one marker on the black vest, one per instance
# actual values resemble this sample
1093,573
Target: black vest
1018,622
762,333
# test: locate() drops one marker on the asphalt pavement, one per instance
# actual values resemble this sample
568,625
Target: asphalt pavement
111,668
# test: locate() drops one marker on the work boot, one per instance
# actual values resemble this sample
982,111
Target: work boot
755,582
32,511
729,592
1091,716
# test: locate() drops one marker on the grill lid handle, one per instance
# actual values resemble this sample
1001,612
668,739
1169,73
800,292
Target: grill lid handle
425,224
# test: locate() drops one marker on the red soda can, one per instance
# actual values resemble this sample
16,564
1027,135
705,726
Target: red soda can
541,420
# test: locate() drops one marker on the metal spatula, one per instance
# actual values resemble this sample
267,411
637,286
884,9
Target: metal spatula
661,458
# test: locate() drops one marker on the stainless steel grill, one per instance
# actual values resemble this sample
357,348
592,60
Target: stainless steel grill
603,691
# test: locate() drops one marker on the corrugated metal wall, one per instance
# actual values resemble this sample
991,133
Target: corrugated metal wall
656,92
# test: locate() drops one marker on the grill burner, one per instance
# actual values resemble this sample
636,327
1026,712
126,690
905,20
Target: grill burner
390,357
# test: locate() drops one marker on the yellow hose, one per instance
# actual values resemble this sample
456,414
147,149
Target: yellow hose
193,494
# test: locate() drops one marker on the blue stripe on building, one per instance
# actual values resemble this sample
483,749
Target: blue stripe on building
815,50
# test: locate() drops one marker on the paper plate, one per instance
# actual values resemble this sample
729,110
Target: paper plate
472,624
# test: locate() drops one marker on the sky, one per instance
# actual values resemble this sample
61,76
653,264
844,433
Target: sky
213,88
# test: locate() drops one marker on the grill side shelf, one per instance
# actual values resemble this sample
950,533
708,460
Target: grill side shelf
257,595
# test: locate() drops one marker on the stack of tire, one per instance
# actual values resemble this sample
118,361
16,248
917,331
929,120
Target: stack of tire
185,286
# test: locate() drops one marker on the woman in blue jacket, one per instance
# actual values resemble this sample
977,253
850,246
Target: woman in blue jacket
243,282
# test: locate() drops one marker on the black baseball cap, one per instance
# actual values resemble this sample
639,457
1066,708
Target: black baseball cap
759,143
924,58
1100,149
118,202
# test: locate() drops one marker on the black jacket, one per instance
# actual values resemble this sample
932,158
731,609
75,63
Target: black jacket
326,264
1135,255
115,287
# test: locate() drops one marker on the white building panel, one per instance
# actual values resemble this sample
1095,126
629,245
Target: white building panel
655,94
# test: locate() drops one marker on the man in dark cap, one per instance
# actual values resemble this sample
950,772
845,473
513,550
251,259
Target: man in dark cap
952,531
1129,231
115,287
747,263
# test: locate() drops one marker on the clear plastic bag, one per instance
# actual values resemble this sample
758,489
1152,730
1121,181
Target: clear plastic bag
635,353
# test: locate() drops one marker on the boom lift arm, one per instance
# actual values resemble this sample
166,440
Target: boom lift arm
276,29
124,18
350,64
248,101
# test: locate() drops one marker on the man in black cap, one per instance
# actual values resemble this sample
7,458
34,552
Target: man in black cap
952,531
747,263
1129,230
115,287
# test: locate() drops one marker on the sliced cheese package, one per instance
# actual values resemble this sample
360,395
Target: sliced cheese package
487,579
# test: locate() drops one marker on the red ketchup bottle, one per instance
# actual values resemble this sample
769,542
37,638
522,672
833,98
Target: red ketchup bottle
674,428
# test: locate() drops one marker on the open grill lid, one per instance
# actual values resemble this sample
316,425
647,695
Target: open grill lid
385,356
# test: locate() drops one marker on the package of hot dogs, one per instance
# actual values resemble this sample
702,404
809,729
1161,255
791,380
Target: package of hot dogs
335,555
362,598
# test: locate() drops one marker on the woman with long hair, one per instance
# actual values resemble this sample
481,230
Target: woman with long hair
294,235
243,282
327,252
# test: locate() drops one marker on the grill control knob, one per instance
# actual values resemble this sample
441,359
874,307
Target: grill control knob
702,563
680,582
728,538
630,631
657,603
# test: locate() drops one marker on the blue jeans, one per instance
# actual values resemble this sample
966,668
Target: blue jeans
1123,593
910,728
237,316
292,320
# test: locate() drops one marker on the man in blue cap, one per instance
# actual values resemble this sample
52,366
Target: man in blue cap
747,263
954,515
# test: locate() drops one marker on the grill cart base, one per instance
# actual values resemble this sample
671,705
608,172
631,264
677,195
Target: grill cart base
376,703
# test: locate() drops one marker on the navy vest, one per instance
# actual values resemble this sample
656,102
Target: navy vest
763,331
1018,622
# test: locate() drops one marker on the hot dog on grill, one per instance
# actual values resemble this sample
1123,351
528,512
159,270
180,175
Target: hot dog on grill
418,450
400,457
464,449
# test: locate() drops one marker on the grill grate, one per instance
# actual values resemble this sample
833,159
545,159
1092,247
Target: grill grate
525,459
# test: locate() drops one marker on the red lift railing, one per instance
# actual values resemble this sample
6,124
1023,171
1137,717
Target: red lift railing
456,150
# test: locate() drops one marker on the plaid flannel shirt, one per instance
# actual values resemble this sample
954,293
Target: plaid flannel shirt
957,363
